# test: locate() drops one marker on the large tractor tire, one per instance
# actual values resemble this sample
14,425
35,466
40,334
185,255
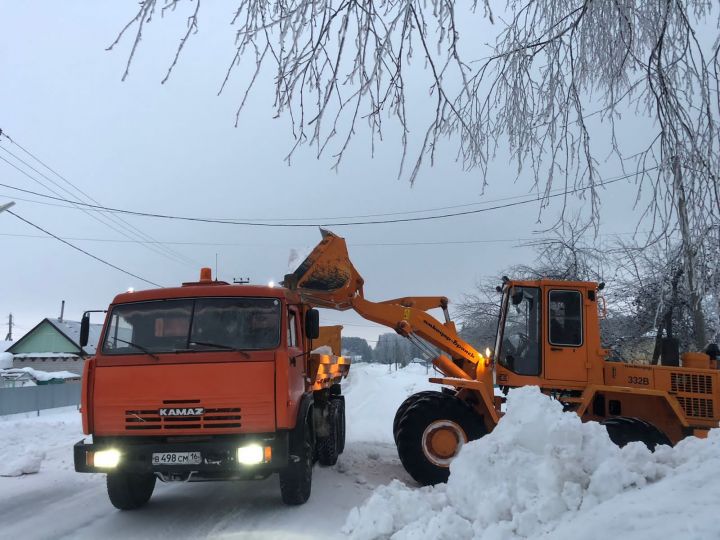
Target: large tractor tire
130,491
328,447
296,478
431,432
623,430
405,405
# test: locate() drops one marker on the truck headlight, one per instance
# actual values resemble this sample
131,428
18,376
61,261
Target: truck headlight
252,454
106,459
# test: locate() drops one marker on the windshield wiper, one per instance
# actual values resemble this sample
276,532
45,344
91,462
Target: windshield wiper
220,346
139,347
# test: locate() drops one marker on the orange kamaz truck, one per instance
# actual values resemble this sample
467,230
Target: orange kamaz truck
211,381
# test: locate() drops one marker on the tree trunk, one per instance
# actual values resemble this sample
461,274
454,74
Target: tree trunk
689,257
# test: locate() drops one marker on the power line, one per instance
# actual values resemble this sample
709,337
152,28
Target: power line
350,244
111,265
117,220
241,244
249,223
77,204
360,216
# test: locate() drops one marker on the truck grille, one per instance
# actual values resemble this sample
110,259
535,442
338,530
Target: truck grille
221,418
691,383
696,407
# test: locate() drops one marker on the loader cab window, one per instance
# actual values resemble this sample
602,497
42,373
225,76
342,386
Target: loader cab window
565,326
518,335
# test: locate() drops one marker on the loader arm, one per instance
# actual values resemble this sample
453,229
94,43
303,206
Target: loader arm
327,278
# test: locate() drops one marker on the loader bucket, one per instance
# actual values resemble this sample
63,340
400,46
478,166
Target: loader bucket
326,278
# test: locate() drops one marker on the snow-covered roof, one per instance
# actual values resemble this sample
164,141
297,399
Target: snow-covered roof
71,330
40,375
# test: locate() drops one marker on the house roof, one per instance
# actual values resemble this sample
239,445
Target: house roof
5,345
70,330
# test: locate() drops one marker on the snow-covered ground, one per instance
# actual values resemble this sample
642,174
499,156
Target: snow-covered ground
57,502
540,474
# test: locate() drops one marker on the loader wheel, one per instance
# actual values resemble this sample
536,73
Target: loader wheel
623,430
405,405
328,447
296,478
432,432
130,491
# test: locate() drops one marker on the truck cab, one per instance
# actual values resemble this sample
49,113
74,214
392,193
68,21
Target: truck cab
208,381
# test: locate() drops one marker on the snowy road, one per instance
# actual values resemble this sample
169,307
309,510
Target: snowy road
540,474
59,503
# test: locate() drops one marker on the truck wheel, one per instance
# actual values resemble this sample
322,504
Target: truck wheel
623,430
432,432
296,478
130,491
328,449
405,405
341,425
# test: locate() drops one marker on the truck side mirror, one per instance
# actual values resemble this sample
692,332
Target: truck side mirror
85,329
312,324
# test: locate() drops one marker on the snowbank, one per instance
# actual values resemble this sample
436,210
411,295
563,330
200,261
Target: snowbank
6,360
542,472
19,464
44,375
372,395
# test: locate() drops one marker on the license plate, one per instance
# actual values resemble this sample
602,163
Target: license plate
176,458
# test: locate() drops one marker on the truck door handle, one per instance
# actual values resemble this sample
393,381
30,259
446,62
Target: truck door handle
555,349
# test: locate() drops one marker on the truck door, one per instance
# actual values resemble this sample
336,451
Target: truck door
565,349
296,357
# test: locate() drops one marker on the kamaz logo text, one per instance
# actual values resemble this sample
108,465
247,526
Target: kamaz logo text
196,411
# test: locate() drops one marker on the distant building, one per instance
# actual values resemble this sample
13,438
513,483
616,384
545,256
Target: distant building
54,345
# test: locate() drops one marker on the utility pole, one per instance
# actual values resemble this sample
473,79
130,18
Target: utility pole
5,206
10,327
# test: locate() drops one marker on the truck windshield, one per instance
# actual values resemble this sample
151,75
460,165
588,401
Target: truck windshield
201,324
518,339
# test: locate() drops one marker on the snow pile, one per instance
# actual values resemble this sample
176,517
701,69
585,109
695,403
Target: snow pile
373,392
540,472
22,463
44,375
323,349
6,360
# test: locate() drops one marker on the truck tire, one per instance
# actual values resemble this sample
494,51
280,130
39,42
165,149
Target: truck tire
296,478
405,405
328,447
431,432
623,430
341,425
130,491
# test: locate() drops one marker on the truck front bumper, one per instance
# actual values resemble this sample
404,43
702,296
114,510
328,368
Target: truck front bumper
218,457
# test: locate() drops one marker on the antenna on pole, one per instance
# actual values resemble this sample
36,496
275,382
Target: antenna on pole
216,268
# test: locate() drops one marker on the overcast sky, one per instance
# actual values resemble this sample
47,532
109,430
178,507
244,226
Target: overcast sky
172,149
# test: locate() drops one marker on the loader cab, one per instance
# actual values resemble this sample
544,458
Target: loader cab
544,333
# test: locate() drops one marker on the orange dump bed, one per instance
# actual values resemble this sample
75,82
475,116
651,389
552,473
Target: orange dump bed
326,365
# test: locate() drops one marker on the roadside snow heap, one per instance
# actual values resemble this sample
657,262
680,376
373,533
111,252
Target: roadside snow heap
544,473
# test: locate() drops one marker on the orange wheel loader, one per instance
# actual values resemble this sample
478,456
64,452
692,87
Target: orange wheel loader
548,336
